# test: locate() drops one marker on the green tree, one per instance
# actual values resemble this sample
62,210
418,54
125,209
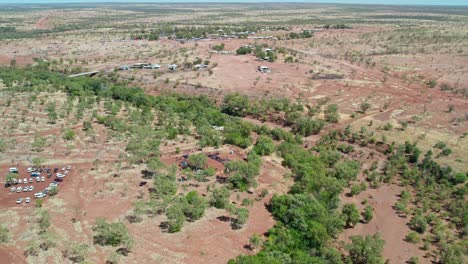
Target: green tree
53,191
68,134
38,161
368,214
255,241
11,176
176,218
331,113
51,112
243,50
39,143
112,234
220,198
264,145
365,106
194,206
235,104
366,250
350,214
77,252
197,161
4,234
165,184
418,223
242,215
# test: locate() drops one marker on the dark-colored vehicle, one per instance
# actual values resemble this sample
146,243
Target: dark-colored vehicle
143,183
49,175
58,180
48,170
55,170
7,184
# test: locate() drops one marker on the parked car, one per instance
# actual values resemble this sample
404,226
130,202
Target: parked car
7,184
31,180
27,200
19,189
49,175
20,200
58,180
31,188
53,184
35,174
29,170
38,179
55,170
68,167
25,180
13,170
15,181
60,175
13,189
42,179
20,181
39,195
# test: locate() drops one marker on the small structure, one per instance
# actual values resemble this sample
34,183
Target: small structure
89,74
124,68
264,69
172,67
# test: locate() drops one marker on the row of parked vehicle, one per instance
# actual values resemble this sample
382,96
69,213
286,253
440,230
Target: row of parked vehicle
36,173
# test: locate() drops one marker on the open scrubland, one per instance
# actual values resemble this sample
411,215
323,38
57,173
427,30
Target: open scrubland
349,145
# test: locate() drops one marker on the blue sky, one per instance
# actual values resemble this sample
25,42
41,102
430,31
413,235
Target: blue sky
387,2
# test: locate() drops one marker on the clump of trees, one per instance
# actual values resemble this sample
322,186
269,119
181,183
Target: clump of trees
112,234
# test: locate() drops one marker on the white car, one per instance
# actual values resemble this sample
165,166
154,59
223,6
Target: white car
15,181
68,167
59,175
13,170
29,169
31,188
38,179
13,189
53,184
42,179
31,180
25,180
63,169
39,195
19,189
20,181
25,189
27,200
20,200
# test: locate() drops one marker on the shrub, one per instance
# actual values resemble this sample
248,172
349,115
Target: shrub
197,161
112,234
68,134
413,237
418,223
350,214
368,214
264,145
366,250
4,234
